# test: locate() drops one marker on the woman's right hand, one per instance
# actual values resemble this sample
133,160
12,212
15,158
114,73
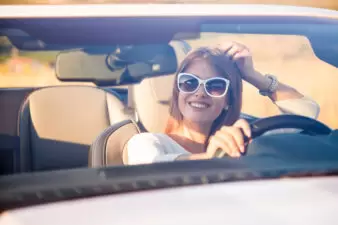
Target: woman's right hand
229,140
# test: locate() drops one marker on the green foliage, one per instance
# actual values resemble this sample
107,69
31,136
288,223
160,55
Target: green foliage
43,57
5,49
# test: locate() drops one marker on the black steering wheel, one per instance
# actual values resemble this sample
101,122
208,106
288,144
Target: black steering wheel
288,147
307,125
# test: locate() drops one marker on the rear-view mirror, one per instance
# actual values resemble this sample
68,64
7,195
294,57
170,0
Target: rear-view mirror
116,65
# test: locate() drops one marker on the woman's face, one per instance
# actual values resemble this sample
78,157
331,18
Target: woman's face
199,107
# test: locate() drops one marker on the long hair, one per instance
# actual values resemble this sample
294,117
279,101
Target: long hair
225,68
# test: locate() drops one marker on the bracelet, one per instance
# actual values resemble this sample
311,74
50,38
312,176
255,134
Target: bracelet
272,87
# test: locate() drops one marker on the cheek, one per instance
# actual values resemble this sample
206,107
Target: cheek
219,105
181,102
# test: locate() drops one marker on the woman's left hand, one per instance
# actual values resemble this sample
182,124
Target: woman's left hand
241,55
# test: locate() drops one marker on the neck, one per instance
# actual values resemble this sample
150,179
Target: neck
192,136
197,132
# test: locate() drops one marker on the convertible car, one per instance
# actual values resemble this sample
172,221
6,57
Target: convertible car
77,82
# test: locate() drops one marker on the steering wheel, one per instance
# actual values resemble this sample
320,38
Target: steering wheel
308,125
279,147
260,126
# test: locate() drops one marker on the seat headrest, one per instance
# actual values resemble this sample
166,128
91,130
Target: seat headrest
152,96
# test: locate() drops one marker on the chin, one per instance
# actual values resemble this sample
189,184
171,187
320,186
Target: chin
200,119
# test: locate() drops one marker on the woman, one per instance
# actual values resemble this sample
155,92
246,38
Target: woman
206,104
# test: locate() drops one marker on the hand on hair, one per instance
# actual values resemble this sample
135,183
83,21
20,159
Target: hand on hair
241,55
229,140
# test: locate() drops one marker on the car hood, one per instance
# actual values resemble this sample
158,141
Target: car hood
281,201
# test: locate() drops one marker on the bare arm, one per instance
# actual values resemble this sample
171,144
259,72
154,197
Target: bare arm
241,55
197,156
229,140
283,92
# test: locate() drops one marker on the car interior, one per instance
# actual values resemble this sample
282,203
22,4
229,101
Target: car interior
47,128
51,128
42,126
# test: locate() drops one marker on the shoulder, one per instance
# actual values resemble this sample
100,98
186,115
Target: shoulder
149,148
156,140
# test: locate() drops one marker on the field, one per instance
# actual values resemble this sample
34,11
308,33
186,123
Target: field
289,57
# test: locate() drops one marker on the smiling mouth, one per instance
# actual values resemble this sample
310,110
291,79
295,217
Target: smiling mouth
199,105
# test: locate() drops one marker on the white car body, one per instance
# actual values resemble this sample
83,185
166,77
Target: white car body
307,201
281,201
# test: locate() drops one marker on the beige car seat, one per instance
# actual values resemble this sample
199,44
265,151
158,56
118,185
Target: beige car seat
57,125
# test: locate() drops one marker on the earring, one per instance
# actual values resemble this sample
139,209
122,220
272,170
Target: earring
226,108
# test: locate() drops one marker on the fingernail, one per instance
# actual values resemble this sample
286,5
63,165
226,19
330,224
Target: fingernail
242,148
249,133
234,154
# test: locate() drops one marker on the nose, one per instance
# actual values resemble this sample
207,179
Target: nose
201,91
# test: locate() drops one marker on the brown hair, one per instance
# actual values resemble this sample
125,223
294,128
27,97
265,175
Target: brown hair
227,69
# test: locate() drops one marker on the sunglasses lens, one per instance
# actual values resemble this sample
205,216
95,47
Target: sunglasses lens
188,83
216,87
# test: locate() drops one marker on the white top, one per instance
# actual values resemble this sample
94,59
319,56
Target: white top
156,147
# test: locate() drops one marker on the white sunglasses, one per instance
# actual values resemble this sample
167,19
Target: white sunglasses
215,87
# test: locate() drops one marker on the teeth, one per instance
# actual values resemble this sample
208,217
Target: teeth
199,105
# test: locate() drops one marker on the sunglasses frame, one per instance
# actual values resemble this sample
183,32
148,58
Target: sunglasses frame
201,81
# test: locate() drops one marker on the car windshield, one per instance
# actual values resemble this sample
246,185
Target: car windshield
290,57
150,95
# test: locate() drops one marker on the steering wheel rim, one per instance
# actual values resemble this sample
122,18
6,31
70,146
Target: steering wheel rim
308,125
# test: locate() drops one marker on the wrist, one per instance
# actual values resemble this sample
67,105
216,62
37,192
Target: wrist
258,80
197,156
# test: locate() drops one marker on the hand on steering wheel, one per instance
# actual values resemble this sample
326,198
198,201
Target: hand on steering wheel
231,141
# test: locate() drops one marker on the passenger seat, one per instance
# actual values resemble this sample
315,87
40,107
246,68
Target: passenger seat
57,125
149,101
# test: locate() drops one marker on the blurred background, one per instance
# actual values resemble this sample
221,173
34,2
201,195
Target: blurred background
32,69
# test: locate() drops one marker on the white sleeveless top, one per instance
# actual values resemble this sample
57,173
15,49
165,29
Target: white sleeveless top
156,147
